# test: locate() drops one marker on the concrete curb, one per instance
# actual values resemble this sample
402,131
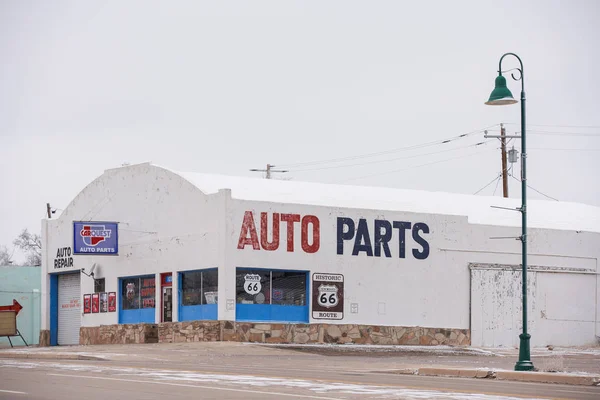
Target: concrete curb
403,371
547,377
50,356
459,373
522,376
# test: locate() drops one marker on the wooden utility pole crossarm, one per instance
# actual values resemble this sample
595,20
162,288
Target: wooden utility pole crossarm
268,170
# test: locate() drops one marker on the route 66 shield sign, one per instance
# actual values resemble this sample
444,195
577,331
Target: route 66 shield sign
130,290
252,284
328,296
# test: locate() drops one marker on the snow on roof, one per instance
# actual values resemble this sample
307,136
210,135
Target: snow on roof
478,210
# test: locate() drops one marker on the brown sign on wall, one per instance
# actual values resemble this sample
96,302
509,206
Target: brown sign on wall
8,323
327,296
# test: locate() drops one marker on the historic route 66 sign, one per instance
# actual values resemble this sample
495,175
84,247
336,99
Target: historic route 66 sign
252,284
328,296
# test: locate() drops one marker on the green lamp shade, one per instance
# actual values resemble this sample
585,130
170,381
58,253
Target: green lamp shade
500,95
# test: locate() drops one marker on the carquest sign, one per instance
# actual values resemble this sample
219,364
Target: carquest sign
97,238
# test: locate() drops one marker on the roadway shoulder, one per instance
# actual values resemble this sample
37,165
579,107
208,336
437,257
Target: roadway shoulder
48,356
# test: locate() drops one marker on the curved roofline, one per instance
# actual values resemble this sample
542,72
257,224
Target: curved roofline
137,165
477,209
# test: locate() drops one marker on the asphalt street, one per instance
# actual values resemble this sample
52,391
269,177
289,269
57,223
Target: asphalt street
211,371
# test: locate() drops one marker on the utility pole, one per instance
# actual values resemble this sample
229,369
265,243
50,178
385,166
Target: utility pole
48,210
502,138
504,168
268,170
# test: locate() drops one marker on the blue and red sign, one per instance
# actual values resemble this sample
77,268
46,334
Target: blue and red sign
97,238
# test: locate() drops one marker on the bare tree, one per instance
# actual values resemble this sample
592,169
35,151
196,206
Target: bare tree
5,256
31,245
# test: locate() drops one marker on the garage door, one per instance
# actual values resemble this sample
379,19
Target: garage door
496,305
69,309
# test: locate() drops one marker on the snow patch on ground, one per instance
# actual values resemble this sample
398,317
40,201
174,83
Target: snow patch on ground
62,353
249,381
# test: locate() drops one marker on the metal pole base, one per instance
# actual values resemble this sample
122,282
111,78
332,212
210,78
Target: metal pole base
524,363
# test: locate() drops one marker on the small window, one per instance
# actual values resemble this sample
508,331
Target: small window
199,287
138,293
99,285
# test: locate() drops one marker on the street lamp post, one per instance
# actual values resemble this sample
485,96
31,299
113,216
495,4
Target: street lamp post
502,96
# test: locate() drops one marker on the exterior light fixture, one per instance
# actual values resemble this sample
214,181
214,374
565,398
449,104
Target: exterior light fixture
500,96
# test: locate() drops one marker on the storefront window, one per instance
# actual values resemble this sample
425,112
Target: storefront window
138,293
210,286
253,286
289,288
271,287
199,287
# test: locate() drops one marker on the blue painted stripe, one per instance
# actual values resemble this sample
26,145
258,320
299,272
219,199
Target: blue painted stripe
139,316
198,313
271,313
53,310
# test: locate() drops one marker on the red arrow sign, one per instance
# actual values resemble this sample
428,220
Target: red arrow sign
16,307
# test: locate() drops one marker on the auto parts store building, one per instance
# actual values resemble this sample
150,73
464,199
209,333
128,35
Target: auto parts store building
145,254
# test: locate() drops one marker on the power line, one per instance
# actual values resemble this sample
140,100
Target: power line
367,155
558,126
496,188
417,166
392,159
559,149
497,178
555,133
535,190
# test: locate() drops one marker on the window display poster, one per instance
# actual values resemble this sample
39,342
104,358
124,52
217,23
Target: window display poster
112,301
328,296
148,292
95,302
87,303
104,302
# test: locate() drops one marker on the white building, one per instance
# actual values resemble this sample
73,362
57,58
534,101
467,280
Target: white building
168,246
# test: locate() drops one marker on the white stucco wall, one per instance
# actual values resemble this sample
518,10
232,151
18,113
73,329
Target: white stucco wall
167,224
436,292
388,291
563,287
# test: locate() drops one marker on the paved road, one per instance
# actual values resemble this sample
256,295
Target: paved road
244,372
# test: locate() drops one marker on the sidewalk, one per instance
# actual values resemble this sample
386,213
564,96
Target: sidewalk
576,366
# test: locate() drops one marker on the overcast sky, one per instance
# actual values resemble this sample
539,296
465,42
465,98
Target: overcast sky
227,86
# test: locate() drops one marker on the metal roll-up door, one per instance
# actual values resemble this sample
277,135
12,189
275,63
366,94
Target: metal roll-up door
69,309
